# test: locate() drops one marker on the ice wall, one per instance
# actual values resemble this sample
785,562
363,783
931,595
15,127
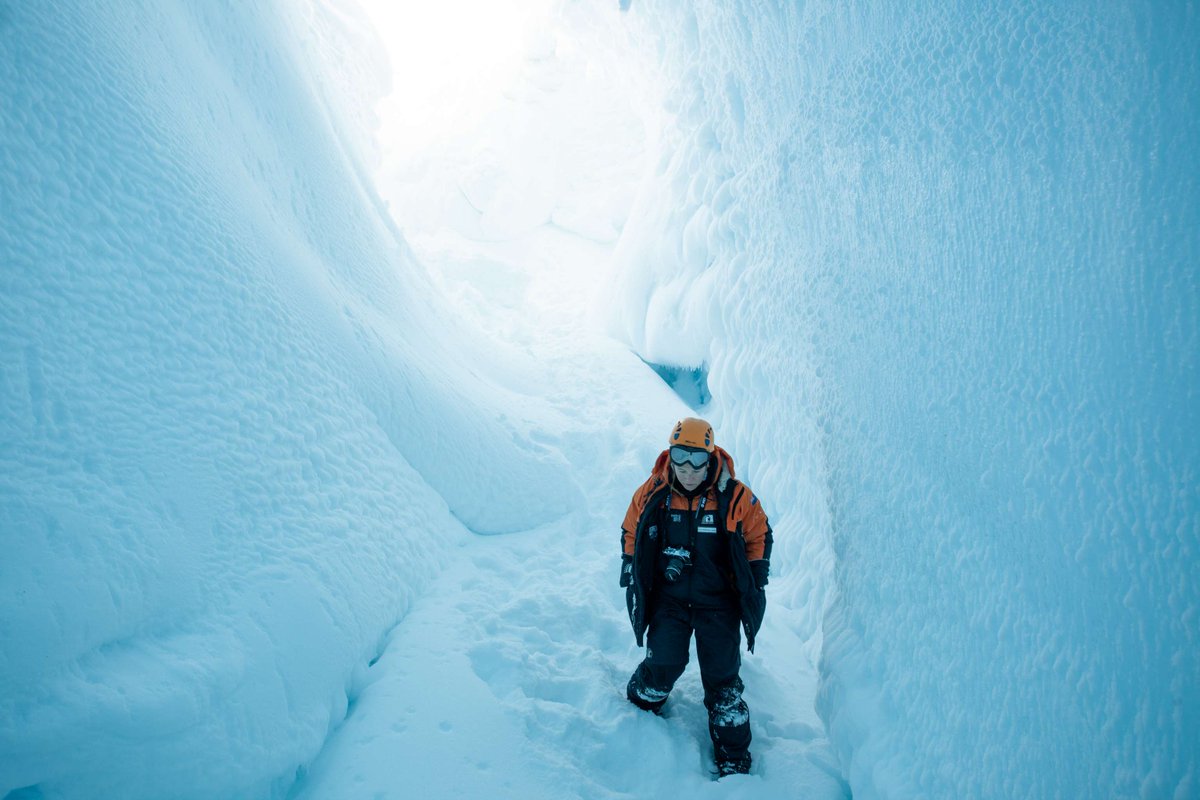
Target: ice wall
962,243
226,401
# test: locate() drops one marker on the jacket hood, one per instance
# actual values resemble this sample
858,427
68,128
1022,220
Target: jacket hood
725,472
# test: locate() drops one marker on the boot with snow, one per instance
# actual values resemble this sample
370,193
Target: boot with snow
733,766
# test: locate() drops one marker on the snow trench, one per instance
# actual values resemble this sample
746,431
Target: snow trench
937,264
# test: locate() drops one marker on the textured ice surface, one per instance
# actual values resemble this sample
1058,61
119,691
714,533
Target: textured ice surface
217,363
950,253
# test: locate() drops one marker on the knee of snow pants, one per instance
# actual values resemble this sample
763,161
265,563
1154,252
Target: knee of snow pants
650,684
667,641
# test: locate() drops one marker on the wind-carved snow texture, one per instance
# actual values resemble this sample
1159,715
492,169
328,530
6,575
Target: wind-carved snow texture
218,363
952,252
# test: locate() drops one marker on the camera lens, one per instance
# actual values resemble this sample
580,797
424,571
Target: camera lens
674,569
678,559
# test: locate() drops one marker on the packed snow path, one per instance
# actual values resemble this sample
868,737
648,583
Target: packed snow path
507,677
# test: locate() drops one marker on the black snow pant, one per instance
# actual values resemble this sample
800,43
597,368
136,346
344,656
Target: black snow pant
718,649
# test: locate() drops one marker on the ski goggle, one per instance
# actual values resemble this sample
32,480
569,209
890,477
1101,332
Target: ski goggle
698,459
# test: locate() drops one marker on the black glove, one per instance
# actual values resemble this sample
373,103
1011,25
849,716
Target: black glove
626,570
759,569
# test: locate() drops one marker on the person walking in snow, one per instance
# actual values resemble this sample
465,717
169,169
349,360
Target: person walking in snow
695,556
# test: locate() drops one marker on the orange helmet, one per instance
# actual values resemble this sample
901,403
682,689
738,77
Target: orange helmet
692,432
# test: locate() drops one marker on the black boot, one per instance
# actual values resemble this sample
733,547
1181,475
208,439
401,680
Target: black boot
733,766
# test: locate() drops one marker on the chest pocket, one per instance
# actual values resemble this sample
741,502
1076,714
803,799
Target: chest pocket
677,529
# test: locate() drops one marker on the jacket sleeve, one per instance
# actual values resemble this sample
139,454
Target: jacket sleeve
632,515
756,530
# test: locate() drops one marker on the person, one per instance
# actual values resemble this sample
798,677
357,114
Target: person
696,548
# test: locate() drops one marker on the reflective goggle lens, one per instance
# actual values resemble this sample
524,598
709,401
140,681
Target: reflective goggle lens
681,455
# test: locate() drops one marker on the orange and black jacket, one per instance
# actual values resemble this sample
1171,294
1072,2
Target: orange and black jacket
742,521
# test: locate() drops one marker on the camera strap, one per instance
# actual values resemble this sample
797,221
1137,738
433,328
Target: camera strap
691,525
696,522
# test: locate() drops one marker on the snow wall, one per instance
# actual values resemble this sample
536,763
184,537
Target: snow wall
218,484
958,247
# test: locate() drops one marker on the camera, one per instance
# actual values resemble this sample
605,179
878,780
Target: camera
678,559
